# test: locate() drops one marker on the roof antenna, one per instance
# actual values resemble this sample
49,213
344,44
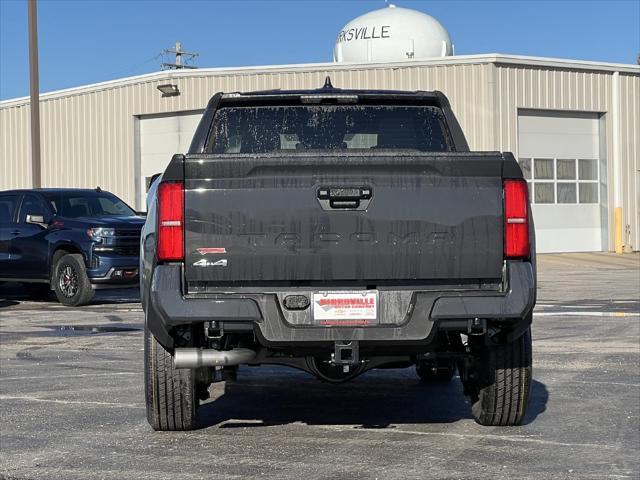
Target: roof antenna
327,83
98,189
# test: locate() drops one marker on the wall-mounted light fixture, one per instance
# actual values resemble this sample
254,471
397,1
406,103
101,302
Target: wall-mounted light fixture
169,90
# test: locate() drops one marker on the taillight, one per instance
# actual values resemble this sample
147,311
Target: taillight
516,219
170,221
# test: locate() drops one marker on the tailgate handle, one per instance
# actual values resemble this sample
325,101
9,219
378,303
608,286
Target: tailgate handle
344,198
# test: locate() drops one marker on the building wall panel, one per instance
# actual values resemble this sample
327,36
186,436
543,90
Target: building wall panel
15,167
630,156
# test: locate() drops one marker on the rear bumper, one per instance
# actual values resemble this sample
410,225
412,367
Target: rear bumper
427,311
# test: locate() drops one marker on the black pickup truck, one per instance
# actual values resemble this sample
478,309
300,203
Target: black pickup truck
337,231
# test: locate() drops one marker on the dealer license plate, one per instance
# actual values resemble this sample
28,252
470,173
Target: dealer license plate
346,309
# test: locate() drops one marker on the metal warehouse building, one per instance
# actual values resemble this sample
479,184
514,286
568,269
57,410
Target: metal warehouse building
574,125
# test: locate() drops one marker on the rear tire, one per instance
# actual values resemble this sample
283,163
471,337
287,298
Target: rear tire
70,281
500,390
170,394
438,371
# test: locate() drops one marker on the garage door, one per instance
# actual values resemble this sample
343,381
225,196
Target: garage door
159,138
561,156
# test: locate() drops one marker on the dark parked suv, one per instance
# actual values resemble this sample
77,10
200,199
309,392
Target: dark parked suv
70,240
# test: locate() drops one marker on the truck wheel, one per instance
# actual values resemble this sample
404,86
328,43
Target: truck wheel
170,394
500,392
70,281
435,371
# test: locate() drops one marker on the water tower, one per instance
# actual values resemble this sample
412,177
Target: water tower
392,34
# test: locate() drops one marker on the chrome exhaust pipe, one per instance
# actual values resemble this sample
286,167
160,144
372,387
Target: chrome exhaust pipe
208,357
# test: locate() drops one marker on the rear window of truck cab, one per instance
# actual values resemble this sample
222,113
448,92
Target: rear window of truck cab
269,129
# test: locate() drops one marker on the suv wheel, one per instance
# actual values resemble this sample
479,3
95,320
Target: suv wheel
171,395
500,382
70,281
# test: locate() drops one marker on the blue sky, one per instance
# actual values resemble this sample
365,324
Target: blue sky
90,41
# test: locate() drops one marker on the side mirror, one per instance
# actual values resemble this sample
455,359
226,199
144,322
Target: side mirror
36,220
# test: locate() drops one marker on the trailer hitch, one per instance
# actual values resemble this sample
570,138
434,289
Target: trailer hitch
477,326
346,354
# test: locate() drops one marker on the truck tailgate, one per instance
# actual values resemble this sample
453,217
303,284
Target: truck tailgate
336,219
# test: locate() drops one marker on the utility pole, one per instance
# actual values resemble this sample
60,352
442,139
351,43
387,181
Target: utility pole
36,177
179,53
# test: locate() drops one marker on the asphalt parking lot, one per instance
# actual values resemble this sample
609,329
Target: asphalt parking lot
71,400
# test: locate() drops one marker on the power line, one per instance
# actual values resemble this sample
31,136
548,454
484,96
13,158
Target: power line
138,65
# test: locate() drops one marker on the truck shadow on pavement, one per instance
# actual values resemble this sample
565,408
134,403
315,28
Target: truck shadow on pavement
377,399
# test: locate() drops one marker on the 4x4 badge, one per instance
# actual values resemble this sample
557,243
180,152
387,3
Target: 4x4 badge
206,263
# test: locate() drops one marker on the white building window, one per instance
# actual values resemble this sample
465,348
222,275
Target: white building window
562,180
